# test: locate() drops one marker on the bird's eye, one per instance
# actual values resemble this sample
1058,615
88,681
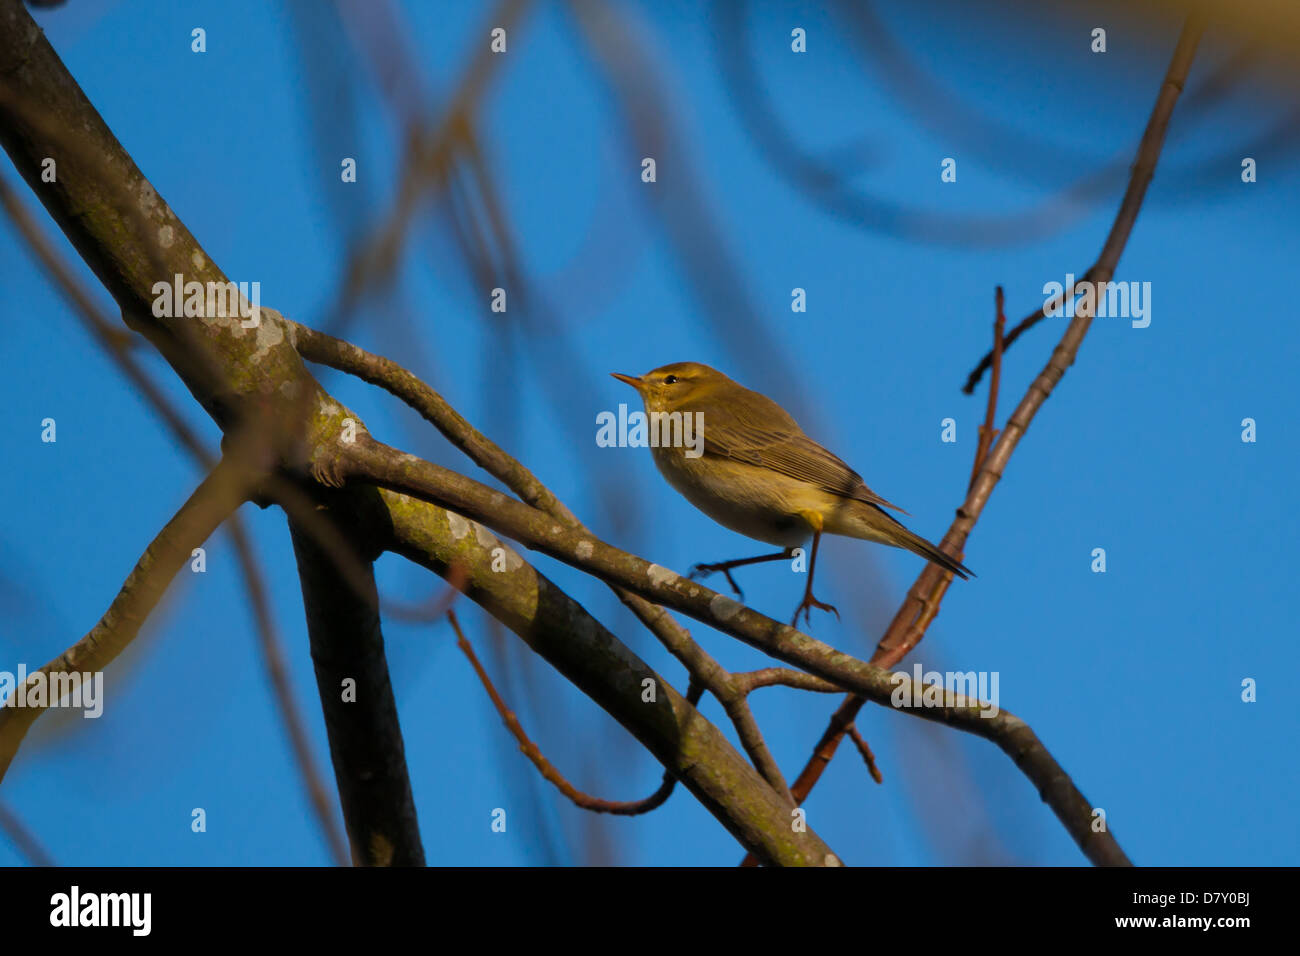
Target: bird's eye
670,379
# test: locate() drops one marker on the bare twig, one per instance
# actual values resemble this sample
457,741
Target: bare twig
750,681
987,430
921,604
867,755
530,750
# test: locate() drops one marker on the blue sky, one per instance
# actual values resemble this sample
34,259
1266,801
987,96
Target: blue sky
1132,678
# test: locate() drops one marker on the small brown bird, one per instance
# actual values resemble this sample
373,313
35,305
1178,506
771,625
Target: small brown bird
757,473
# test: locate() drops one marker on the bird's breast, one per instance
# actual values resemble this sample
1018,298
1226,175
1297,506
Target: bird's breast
755,502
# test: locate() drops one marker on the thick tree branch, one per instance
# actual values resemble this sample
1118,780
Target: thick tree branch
356,696
131,239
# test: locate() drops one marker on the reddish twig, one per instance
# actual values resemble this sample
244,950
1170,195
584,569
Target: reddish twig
867,755
920,607
922,602
547,769
987,431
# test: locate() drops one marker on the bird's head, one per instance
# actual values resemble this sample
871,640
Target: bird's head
677,387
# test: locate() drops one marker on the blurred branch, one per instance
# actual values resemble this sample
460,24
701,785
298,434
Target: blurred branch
429,159
1144,167
23,839
113,343
212,503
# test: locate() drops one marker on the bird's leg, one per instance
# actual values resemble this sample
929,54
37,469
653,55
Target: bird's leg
809,602
704,570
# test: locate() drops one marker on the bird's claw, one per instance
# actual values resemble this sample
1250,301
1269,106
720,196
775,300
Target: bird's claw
805,608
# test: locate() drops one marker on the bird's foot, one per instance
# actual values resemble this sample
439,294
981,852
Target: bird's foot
805,608
699,571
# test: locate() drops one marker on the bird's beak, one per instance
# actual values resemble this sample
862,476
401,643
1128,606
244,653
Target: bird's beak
632,380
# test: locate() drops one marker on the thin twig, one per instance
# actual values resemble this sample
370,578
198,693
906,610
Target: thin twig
867,755
987,430
1024,325
750,681
530,750
922,602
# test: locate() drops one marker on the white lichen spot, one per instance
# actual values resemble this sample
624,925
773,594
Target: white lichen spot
269,335
724,608
485,537
327,405
459,526
659,576
148,198
585,550
832,860
198,261
166,236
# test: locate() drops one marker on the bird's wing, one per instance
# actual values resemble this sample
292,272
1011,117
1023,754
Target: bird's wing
778,443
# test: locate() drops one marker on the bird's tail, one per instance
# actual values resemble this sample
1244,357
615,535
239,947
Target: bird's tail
869,521
917,545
